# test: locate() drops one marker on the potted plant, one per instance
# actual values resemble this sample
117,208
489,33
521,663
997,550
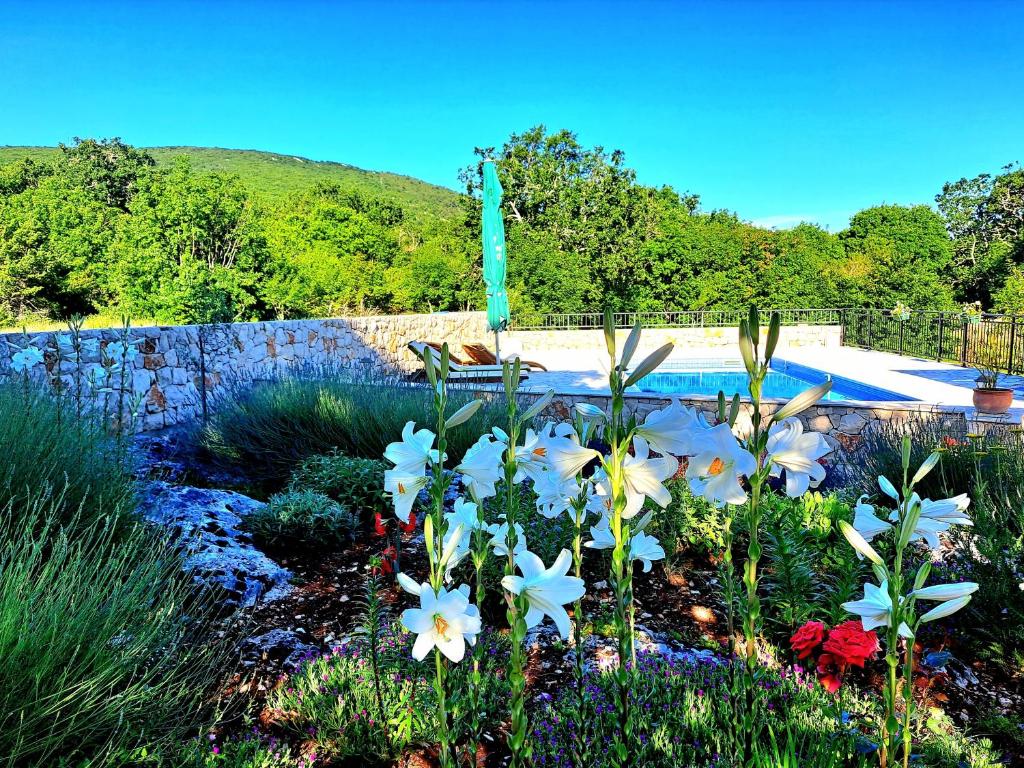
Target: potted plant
989,397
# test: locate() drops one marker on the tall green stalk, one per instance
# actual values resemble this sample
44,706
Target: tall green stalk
516,605
434,531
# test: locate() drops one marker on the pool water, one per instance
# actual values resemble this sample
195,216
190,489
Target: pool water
784,380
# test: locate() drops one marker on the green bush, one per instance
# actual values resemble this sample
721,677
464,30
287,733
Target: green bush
356,483
266,428
102,643
45,446
688,523
301,517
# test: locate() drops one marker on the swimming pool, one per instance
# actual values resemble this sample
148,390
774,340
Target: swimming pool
784,380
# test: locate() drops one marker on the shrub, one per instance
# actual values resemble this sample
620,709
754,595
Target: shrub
266,428
102,644
45,446
688,523
331,700
301,517
356,483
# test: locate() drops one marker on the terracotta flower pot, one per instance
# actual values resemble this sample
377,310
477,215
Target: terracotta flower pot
993,400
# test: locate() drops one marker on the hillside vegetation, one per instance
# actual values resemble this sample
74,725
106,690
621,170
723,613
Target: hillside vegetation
186,234
275,176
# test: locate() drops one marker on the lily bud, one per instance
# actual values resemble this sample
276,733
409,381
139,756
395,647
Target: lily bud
538,405
859,543
651,362
464,414
802,401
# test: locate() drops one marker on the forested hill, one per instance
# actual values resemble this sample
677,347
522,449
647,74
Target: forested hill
192,234
274,176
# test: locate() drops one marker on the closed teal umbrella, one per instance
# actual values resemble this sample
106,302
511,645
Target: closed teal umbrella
494,254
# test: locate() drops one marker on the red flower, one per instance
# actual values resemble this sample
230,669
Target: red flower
950,442
807,638
410,526
850,644
387,560
830,672
379,527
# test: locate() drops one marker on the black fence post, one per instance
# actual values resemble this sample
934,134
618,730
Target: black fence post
963,345
870,313
903,324
938,354
1013,343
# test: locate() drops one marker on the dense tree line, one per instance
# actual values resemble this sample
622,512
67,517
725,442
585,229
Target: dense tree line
102,228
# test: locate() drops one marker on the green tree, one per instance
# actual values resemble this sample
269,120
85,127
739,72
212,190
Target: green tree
901,253
191,250
330,252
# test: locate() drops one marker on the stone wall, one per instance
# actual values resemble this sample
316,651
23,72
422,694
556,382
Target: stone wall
174,363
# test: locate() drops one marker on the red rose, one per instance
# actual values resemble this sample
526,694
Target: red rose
850,644
410,526
807,638
830,672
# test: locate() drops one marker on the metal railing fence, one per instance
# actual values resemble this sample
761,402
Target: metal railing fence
987,338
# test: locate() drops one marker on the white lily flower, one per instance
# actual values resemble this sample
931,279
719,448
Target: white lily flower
444,621
946,608
601,535
642,547
859,543
482,466
499,538
546,590
413,452
876,607
646,549
674,430
950,511
714,472
566,457
875,610
790,449
531,457
404,488
866,523
644,476
454,548
944,592
554,495
25,359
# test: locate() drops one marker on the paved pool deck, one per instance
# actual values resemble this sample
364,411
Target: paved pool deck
924,383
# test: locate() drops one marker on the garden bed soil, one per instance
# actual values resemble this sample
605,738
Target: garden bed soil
679,604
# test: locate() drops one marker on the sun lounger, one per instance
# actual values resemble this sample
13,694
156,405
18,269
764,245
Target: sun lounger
460,370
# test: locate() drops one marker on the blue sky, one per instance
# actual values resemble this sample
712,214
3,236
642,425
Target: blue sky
778,110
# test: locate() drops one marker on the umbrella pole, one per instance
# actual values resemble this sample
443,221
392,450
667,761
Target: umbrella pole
497,354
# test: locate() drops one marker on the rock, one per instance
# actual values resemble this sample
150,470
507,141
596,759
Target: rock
279,645
218,554
852,423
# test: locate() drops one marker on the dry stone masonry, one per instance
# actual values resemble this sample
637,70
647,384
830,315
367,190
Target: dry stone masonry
176,364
